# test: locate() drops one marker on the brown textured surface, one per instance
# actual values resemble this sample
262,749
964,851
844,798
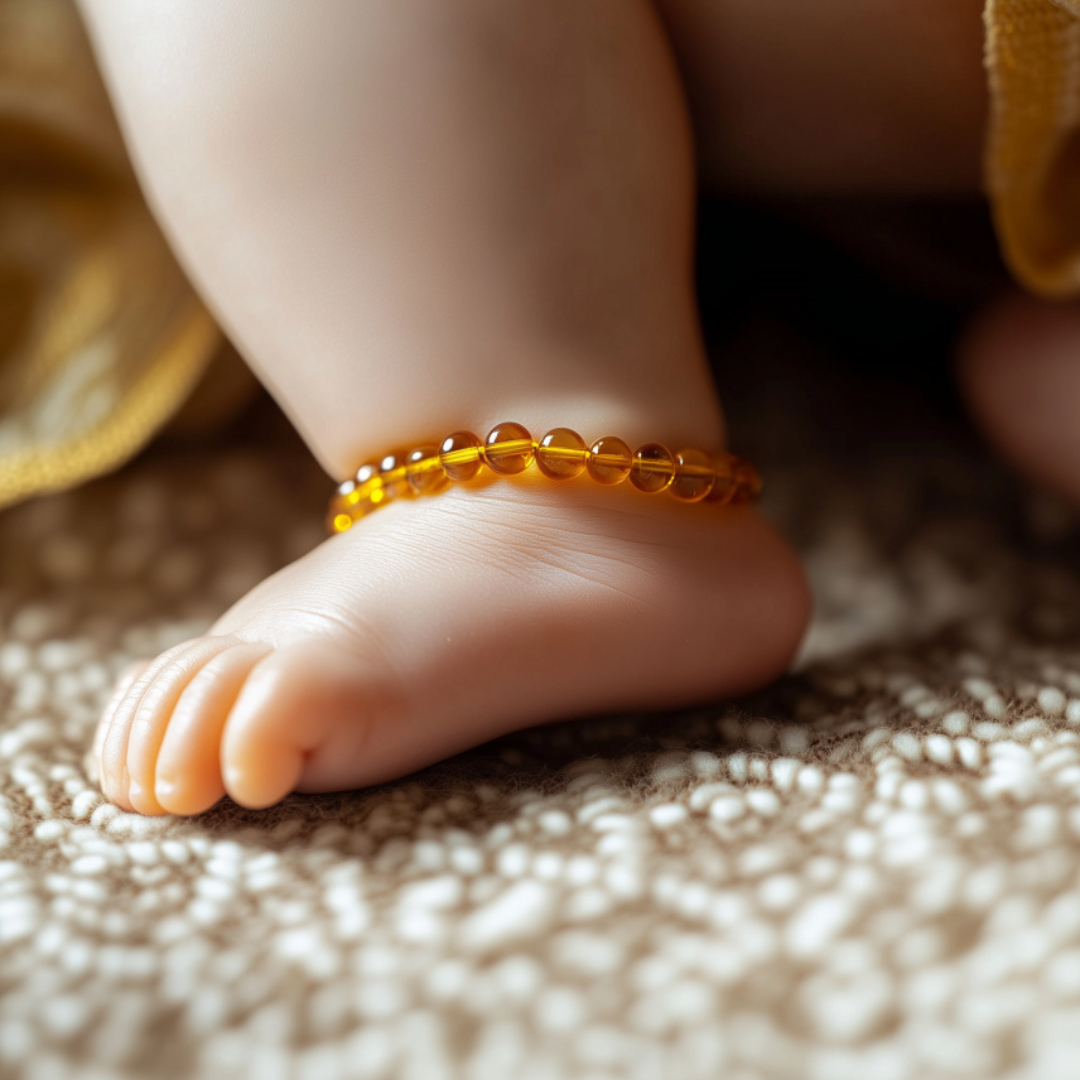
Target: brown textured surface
868,871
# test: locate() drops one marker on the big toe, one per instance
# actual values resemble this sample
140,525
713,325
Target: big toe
314,717
1019,367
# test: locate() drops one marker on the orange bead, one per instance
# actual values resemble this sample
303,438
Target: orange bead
561,454
609,460
652,469
425,472
693,476
395,481
508,449
747,481
461,455
371,498
355,491
723,488
366,472
339,522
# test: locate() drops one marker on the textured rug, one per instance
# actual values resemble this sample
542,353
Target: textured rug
871,871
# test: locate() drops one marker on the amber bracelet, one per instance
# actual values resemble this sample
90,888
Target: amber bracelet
689,475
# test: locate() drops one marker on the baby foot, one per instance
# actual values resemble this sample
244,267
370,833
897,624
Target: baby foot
437,624
1019,371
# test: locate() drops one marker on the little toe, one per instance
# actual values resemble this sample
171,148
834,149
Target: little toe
115,728
148,720
92,758
187,778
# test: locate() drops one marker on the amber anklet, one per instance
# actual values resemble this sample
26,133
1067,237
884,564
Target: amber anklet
689,475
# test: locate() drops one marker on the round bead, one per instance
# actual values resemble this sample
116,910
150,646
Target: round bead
370,498
508,449
693,476
723,488
392,473
426,474
355,491
652,469
366,472
747,481
461,455
561,454
609,460
339,522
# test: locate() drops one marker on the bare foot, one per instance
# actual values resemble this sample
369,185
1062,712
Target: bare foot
440,623
1020,370
460,209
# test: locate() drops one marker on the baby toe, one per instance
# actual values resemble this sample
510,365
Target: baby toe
187,777
301,721
114,729
92,758
150,717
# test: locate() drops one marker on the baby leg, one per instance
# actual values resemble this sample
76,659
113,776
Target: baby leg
416,217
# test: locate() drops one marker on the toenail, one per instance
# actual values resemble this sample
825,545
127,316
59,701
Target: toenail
134,790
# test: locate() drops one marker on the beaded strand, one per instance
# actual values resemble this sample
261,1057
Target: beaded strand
689,475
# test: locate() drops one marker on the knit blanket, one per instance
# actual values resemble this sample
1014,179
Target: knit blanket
870,871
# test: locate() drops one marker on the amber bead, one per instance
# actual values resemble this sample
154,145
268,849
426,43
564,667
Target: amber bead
425,472
561,454
461,455
353,491
609,460
747,481
392,473
693,476
723,486
371,498
508,449
652,469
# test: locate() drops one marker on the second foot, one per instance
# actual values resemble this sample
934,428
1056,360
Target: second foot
438,624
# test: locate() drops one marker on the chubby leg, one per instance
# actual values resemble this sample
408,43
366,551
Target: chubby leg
415,217
835,97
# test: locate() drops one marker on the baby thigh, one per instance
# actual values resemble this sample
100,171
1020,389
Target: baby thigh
835,96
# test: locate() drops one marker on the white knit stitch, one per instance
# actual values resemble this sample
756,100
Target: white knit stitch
893,897
667,815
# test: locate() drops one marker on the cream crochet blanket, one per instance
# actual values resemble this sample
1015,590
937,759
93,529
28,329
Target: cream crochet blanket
869,872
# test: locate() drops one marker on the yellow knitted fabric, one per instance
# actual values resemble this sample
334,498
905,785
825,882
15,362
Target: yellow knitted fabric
1033,153
101,337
